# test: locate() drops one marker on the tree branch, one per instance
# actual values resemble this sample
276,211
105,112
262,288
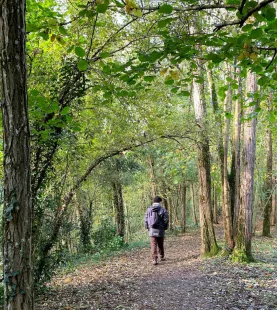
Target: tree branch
92,35
240,9
241,21
194,7
111,37
273,57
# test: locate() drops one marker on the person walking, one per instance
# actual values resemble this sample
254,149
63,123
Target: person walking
156,221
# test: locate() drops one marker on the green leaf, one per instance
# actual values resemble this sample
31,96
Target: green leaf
104,55
83,13
228,115
63,31
262,81
155,55
65,111
164,22
82,65
256,33
44,35
270,14
149,78
215,58
119,4
169,82
247,28
184,93
137,12
79,51
102,8
165,9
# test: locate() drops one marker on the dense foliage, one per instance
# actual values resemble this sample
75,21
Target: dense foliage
112,114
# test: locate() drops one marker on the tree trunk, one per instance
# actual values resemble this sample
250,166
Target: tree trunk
208,240
274,202
85,226
119,209
215,220
193,205
228,227
152,176
184,206
243,251
17,216
235,165
268,181
222,149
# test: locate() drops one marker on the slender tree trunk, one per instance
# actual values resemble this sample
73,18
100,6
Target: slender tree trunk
222,149
268,181
193,205
208,240
184,206
235,166
119,209
17,216
85,226
127,224
228,227
243,251
274,202
215,220
170,213
152,175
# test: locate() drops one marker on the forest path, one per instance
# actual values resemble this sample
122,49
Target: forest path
183,281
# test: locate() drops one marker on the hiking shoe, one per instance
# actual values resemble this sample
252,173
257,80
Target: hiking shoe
163,258
155,262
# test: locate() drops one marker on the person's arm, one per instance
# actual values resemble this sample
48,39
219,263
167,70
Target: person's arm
146,220
165,219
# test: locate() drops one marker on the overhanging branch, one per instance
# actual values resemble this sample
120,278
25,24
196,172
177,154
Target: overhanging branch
241,21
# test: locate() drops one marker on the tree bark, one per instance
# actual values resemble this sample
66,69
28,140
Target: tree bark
235,165
274,203
119,209
228,225
152,176
17,216
85,215
193,205
222,149
243,251
208,240
215,220
268,181
184,206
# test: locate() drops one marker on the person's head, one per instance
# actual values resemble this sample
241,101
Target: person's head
158,199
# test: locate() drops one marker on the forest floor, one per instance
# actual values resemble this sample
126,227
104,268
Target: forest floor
183,281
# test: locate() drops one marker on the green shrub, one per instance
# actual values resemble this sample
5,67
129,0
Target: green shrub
105,239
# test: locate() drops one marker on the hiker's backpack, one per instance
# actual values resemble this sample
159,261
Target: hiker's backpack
155,220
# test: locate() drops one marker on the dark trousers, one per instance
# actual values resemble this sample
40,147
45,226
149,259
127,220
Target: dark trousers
157,242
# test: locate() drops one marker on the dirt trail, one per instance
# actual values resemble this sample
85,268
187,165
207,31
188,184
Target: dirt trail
183,281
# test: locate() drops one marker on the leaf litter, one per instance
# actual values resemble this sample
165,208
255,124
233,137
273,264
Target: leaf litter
184,281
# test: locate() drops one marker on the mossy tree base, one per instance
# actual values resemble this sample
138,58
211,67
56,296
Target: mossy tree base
213,252
240,256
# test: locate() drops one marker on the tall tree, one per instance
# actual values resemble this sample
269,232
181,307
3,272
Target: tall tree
243,250
268,180
228,224
208,240
236,150
17,263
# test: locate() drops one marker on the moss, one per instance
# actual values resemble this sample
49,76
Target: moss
213,252
240,256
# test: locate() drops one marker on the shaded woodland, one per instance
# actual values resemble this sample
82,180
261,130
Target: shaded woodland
106,104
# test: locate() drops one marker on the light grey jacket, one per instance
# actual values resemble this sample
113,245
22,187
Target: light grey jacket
156,232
